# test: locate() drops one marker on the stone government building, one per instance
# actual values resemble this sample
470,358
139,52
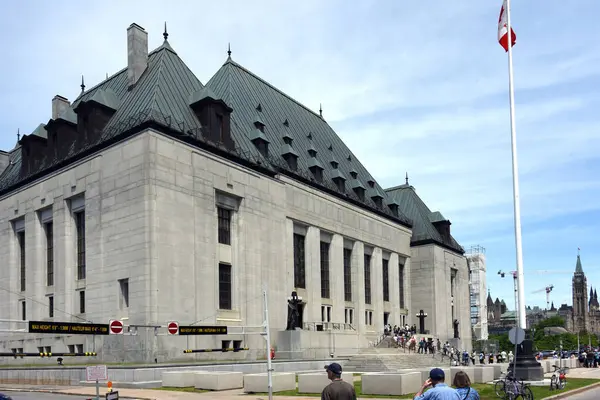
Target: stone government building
155,198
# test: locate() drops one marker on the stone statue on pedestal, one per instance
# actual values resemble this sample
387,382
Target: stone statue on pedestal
293,313
456,335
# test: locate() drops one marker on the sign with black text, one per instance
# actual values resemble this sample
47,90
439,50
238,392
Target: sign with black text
70,328
112,396
202,330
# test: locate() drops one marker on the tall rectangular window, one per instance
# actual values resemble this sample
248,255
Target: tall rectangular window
386,281
221,127
367,279
80,231
347,274
299,262
401,284
224,220
22,276
51,306
82,301
325,270
23,310
224,287
124,297
49,230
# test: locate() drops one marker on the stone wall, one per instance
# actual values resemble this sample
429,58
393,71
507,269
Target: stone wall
151,218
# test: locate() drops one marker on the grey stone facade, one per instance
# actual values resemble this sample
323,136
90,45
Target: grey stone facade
132,176
150,213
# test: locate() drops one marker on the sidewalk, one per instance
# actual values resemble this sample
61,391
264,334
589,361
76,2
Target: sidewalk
148,394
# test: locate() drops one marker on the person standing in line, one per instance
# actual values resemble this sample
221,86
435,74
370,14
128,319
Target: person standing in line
337,389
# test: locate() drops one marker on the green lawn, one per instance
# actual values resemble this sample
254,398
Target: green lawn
485,391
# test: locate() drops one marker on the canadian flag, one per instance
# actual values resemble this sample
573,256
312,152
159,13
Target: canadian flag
503,29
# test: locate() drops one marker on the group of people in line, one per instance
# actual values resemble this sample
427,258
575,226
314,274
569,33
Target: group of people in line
464,358
434,388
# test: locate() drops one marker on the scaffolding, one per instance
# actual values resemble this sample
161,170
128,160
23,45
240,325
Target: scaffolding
477,290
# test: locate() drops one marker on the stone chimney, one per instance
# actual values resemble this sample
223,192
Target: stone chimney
137,53
59,105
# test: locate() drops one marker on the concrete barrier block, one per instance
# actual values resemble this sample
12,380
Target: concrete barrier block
470,371
178,379
316,382
257,383
483,374
391,384
218,380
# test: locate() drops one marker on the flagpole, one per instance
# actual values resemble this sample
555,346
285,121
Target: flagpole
515,174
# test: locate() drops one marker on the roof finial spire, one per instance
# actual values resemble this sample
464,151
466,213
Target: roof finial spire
229,51
406,178
578,250
82,84
165,33
18,134
107,75
321,110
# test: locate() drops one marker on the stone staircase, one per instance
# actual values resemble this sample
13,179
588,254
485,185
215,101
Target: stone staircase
388,359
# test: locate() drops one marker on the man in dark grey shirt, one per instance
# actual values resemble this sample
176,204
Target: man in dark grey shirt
337,389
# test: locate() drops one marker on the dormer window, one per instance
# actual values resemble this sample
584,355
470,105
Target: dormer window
358,187
371,182
259,108
316,168
353,174
286,123
259,125
378,200
360,192
290,156
339,179
287,139
394,209
317,173
258,138
312,151
214,116
334,164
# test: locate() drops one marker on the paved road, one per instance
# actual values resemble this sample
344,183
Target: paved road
593,394
41,396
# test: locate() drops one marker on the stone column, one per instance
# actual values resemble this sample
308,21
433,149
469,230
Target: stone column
394,275
358,286
336,278
408,289
35,260
312,311
377,290
65,271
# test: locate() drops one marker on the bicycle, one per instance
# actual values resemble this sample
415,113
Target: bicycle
511,388
559,381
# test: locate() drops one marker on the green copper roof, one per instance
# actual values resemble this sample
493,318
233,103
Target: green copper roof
161,97
414,208
253,99
578,268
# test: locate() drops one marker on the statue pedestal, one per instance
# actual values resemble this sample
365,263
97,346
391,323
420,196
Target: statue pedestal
289,344
455,342
527,367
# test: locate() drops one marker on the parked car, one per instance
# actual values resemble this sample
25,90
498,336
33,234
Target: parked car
5,397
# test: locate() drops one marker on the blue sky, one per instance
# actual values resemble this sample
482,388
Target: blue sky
409,85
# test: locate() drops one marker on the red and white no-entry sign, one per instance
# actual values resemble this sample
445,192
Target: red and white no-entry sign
173,328
115,327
